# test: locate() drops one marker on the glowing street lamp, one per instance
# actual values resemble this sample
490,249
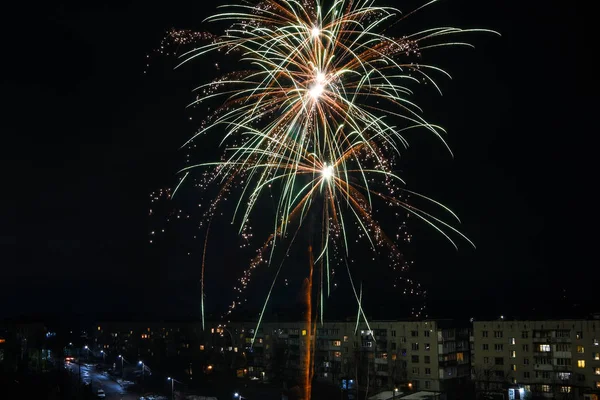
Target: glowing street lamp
143,369
122,367
173,380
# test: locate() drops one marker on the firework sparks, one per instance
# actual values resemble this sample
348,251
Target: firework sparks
318,119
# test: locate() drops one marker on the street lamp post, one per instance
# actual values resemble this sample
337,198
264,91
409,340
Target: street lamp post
143,369
236,395
173,380
122,370
103,356
394,393
232,344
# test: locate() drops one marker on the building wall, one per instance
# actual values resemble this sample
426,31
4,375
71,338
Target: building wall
427,354
550,358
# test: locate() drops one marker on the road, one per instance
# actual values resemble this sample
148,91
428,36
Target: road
100,380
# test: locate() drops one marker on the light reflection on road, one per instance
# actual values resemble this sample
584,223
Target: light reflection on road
100,380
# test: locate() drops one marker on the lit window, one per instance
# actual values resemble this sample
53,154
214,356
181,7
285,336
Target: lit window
99,328
394,357
513,354
303,332
544,347
513,367
201,347
235,349
598,385
546,388
596,356
581,363
212,330
512,340
595,342
564,376
260,340
580,349
337,343
460,357
565,389
337,354
597,370
345,338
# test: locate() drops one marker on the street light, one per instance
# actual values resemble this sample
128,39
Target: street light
173,380
103,355
394,393
143,368
232,343
122,370
236,395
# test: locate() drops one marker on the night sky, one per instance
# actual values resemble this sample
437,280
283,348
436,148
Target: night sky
86,136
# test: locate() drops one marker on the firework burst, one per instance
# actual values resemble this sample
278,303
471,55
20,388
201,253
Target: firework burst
319,117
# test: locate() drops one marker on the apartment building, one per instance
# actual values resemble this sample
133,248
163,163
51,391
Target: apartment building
551,359
430,355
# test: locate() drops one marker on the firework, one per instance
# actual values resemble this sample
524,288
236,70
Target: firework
318,119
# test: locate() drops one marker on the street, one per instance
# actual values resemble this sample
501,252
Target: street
100,380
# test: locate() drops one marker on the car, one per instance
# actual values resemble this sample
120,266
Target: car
101,394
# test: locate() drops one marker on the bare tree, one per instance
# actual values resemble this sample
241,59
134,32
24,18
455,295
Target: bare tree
490,380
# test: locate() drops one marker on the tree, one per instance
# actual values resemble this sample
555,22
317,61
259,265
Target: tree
490,381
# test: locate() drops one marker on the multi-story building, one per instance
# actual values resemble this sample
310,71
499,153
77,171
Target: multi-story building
552,359
431,355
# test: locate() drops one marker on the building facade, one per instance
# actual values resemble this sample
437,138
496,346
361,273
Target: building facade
548,359
423,355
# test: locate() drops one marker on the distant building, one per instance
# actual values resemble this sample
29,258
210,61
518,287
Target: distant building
23,346
429,355
546,359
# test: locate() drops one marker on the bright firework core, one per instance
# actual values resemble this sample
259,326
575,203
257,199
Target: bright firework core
315,32
327,172
316,91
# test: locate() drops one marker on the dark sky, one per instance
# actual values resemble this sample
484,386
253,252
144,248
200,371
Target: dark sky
86,136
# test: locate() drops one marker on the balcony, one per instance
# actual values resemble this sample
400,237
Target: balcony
561,340
448,363
543,367
563,368
542,339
